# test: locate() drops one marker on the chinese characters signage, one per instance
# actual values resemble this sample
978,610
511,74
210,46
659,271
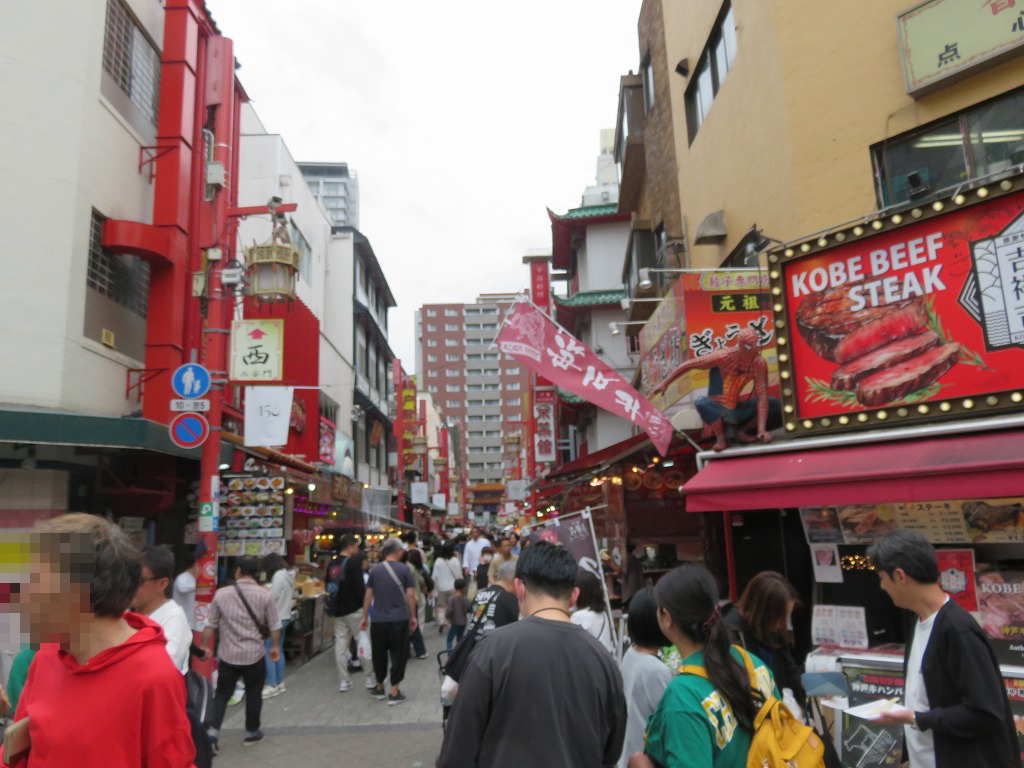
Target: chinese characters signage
563,360
703,313
257,350
943,39
544,425
328,432
879,325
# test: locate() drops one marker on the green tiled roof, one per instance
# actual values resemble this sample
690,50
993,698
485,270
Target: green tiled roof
591,299
569,397
590,211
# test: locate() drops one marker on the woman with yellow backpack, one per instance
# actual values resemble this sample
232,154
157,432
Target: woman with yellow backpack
723,709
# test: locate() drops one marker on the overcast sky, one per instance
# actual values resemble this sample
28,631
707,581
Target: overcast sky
463,119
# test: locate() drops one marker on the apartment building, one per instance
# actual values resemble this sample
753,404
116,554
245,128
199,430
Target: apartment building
484,397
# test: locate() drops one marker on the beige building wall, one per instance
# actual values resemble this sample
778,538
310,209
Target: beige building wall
787,142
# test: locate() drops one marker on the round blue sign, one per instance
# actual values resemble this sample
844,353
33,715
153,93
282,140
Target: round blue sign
189,430
191,381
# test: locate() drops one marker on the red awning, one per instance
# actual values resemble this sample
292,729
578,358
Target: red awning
602,458
976,466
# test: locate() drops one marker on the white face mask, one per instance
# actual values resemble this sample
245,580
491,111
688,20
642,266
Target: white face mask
485,558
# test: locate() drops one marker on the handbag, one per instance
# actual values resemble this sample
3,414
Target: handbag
458,659
263,629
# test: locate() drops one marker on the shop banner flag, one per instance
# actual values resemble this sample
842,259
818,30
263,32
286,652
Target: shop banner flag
267,413
419,493
531,337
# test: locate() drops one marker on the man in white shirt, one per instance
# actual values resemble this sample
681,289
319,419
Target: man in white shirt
956,712
185,590
152,600
471,555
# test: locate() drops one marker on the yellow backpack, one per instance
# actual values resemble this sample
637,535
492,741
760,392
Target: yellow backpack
780,740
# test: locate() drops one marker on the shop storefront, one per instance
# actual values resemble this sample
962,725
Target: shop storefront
901,352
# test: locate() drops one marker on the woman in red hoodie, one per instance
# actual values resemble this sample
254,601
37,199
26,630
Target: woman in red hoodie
102,691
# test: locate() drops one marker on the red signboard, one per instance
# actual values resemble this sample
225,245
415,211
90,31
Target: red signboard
702,313
917,315
328,435
544,425
533,339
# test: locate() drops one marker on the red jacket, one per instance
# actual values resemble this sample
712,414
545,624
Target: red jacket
125,708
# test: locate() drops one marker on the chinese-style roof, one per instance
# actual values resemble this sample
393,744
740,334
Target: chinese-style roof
563,226
591,299
568,397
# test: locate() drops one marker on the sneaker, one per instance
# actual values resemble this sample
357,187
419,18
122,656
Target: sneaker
270,691
252,738
378,692
214,746
280,687
395,698
371,681
346,686
236,696
422,656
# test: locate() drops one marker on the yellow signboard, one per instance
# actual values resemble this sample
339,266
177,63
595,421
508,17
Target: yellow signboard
943,39
257,350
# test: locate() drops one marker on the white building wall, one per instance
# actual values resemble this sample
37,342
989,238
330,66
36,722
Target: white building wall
600,260
71,151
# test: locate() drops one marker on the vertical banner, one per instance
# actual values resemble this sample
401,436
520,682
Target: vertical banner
531,337
419,493
544,426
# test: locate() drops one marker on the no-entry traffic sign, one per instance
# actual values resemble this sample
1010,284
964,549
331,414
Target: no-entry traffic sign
189,430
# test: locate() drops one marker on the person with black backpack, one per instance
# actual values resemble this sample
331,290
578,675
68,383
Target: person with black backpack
345,591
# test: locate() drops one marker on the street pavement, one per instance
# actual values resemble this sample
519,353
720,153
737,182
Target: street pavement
313,725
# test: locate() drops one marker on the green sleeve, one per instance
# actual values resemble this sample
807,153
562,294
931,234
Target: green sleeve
19,673
679,740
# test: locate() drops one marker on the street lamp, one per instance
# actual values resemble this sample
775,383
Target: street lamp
273,269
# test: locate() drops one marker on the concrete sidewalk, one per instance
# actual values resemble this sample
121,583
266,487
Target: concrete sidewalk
312,724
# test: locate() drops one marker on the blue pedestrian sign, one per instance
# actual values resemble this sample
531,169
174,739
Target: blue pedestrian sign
191,381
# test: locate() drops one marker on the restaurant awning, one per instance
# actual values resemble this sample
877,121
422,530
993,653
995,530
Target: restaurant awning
975,466
602,458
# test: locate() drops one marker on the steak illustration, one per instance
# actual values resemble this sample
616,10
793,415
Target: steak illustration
879,331
846,376
825,318
909,376
987,517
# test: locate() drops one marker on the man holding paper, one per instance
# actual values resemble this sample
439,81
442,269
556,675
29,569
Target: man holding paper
956,712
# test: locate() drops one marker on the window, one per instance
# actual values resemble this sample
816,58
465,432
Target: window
477,465
714,64
475,433
492,417
515,417
492,402
432,389
471,311
451,342
491,371
489,311
515,401
984,139
633,345
451,358
131,60
431,342
431,328
647,77
489,326
452,372
512,386
475,450
453,403
474,403
472,326
431,374
511,371
474,357
431,358
452,388
491,387
493,433
120,277
491,356
451,313
475,417
431,313
451,327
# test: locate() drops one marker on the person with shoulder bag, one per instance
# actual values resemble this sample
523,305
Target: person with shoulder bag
447,569
345,593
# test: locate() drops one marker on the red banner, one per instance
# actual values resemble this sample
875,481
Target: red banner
529,336
928,311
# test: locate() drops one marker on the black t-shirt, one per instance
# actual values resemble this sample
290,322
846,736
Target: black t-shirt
350,590
537,693
497,607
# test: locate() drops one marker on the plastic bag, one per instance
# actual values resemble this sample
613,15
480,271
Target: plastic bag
449,689
363,647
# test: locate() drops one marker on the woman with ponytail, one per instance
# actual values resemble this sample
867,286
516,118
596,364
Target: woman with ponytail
701,722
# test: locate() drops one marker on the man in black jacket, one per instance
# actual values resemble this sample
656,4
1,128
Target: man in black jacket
345,590
957,713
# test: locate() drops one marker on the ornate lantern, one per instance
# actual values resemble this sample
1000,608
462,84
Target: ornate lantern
273,269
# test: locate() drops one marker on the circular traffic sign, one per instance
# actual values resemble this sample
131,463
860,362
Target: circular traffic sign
190,381
189,430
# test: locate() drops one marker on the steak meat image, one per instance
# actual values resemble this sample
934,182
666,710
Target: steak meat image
884,353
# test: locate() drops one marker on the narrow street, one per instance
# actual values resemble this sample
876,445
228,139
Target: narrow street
312,724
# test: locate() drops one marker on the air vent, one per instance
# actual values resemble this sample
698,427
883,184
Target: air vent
107,338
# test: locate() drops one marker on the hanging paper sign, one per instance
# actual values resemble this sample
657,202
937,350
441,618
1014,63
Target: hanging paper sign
267,414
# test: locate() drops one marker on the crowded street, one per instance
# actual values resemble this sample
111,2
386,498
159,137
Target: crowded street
619,383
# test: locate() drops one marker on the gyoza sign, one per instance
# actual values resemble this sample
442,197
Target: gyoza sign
914,315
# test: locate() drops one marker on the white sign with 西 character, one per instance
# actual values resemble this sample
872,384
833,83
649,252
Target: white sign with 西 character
257,350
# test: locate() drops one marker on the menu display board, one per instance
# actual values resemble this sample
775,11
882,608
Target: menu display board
956,576
914,316
252,519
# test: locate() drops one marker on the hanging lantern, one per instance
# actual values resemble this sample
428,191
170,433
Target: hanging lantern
273,269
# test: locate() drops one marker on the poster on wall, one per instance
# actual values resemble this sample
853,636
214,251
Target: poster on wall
918,316
703,313
956,576
825,559
866,743
864,523
821,525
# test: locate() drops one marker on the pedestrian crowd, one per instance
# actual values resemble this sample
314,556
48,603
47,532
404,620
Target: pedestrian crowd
533,675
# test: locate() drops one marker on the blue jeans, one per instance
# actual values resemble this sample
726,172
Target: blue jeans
275,669
455,633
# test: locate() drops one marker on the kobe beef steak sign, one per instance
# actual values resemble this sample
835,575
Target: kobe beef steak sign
910,316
